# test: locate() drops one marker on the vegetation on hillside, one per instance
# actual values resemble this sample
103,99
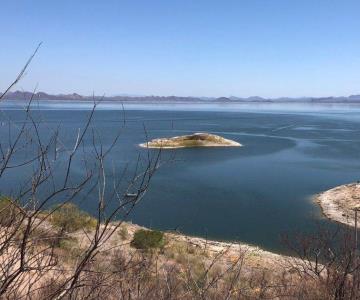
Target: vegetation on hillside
69,218
8,211
147,239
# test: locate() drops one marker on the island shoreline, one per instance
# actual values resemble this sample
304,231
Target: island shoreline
195,140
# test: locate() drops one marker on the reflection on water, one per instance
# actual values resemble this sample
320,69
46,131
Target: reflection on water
245,106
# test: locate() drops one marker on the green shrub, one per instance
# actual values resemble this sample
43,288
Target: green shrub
146,239
9,212
69,218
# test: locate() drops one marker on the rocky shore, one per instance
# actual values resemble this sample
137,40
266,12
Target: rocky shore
339,203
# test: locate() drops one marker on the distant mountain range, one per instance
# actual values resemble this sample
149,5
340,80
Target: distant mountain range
21,95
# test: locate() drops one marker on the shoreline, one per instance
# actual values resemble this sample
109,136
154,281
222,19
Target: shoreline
338,203
255,255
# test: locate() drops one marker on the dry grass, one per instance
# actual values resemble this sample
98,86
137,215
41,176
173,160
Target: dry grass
184,268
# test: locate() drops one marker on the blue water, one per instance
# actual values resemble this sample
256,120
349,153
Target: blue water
252,193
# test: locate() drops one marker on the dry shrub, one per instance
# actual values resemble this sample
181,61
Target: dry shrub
10,212
69,218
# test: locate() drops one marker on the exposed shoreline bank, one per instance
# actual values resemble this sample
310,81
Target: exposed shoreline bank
338,204
255,255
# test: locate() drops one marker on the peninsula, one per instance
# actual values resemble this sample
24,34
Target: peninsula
192,140
339,203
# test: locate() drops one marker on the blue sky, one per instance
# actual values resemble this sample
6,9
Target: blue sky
269,48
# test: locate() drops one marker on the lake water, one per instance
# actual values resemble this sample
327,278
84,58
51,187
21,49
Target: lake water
252,193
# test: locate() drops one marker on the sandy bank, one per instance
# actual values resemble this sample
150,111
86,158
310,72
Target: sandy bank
338,203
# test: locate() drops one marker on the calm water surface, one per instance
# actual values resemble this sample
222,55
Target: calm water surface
252,193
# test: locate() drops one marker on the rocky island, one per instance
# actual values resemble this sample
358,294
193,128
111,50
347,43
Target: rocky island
192,140
339,203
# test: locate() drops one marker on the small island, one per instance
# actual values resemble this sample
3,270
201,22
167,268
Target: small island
192,140
339,203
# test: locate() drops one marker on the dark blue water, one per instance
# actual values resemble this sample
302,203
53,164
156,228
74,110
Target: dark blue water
252,193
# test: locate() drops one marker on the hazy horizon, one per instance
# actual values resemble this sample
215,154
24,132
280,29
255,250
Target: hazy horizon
183,96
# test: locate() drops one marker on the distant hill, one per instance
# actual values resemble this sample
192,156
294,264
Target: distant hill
23,95
20,95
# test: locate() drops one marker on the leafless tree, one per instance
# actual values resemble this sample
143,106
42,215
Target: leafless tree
329,259
25,258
